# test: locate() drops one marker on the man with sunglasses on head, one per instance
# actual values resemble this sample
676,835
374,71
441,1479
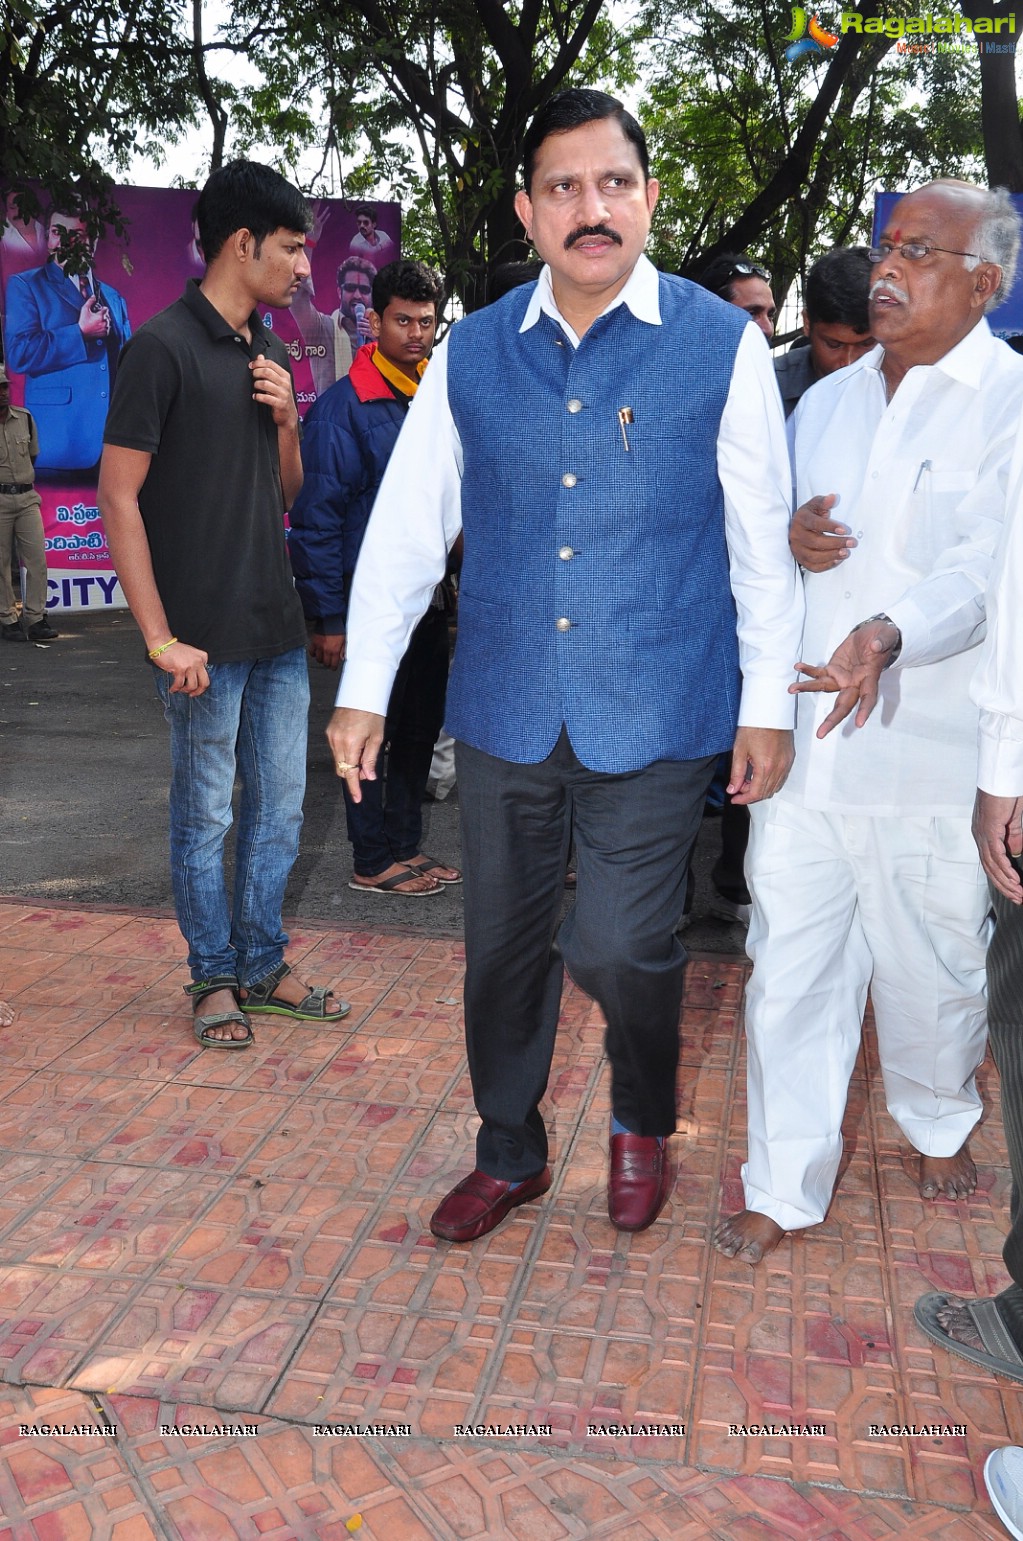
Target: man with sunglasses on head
862,869
745,284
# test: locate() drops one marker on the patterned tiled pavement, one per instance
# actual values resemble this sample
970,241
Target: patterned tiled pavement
240,1240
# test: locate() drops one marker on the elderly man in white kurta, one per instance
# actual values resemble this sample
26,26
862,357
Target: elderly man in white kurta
863,870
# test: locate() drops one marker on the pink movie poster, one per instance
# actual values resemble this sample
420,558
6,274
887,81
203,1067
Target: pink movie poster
61,366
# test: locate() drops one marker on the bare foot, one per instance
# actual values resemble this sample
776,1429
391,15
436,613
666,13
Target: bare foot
413,882
211,1006
748,1236
6,1014
954,1176
956,1320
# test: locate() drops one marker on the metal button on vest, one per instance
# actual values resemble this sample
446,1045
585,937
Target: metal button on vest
569,479
566,553
575,405
564,624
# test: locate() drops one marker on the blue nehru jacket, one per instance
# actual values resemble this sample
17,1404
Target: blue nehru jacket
595,590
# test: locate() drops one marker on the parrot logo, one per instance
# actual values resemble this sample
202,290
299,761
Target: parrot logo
799,43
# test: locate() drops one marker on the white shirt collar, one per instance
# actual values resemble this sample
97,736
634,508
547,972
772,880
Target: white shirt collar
641,293
965,362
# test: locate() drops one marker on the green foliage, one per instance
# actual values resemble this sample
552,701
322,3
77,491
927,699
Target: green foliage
723,111
84,83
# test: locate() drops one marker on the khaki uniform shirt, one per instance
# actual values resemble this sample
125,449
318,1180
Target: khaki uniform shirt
19,445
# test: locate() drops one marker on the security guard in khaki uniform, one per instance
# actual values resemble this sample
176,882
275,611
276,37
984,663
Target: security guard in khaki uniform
21,521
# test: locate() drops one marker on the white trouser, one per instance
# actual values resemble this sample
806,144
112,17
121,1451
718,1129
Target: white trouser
841,903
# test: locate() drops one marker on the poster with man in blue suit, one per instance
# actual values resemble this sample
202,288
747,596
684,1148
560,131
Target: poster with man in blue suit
64,330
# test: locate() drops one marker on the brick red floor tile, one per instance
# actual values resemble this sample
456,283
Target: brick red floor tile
110,1219
69,1114
220,1348
186,1237
49,1320
74,1486
204,1128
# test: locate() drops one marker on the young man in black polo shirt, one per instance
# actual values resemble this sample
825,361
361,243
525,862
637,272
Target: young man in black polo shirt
201,458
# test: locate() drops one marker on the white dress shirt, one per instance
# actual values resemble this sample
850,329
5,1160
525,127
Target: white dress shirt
921,483
417,517
998,683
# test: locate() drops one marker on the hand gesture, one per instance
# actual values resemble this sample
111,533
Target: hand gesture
853,670
94,319
271,387
815,539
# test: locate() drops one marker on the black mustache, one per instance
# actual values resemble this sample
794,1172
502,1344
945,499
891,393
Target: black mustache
585,230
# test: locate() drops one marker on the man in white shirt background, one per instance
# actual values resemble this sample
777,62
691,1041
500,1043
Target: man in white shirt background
595,678
863,871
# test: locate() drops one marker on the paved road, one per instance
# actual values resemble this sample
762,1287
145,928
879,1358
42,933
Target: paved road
83,793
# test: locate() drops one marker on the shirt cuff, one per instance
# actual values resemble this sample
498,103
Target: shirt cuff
366,686
766,703
912,628
1000,770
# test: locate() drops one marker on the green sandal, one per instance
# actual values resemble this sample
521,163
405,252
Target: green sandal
201,1025
262,998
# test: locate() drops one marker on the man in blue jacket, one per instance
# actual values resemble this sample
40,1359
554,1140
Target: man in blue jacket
349,436
64,332
611,442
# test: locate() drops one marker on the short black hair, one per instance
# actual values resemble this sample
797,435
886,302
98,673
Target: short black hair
368,210
572,109
406,280
244,195
507,276
730,267
838,287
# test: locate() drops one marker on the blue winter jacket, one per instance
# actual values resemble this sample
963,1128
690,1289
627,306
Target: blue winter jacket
348,437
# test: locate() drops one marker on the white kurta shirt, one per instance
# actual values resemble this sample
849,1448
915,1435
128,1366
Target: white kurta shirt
998,682
417,517
922,483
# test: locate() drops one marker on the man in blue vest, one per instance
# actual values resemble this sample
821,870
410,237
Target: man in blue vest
64,331
611,443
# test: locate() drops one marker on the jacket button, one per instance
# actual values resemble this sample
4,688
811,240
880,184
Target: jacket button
575,405
569,479
566,553
564,624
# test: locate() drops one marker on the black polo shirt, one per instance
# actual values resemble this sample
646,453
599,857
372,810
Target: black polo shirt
211,503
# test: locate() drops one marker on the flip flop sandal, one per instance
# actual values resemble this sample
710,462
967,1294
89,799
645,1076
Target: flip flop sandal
999,1354
202,1024
430,867
392,885
262,999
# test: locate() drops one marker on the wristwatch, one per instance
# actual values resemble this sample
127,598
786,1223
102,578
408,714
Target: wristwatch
896,649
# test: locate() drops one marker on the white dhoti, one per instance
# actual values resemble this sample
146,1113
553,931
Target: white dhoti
842,903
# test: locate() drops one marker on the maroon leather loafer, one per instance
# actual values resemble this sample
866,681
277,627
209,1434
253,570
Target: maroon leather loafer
639,1181
480,1202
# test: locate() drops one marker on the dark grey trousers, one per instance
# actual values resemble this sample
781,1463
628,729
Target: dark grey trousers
1005,1029
634,834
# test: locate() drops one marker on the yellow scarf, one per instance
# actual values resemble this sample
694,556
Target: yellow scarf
395,376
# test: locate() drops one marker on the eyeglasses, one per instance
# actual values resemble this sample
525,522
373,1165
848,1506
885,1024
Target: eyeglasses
748,270
915,251
356,289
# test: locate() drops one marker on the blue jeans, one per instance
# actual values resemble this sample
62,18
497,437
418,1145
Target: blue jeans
251,723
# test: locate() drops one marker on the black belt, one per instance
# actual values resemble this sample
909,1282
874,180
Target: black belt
12,488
